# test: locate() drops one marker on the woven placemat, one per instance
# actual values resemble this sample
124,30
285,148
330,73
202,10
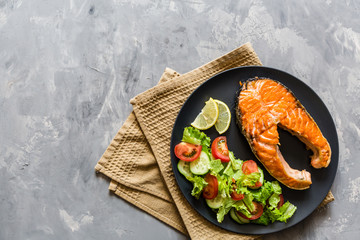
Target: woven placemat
138,158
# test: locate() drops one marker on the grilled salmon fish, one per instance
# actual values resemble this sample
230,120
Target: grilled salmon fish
263,106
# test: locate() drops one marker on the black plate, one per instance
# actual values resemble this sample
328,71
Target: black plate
225,87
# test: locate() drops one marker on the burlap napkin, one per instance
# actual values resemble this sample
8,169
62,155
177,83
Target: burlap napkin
138,158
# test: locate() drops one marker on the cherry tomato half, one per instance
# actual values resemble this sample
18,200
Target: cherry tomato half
256,186
236,196
281,202
187,151
256,213
249,167
211,190
219,149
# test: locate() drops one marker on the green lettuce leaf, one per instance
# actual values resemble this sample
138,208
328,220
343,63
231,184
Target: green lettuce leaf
194,136
224,209
243,190
216,166
198,185
248,179
276,187
263,220
229,170
236,163
287,211
248,198
274,200
237,175
262,194
225,186
273,213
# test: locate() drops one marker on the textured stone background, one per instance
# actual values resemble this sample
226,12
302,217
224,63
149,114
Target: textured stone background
69,68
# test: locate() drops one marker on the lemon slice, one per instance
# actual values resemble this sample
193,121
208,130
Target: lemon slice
207,117
223,122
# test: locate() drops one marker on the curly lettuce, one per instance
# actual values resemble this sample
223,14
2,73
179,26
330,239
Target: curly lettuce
195,136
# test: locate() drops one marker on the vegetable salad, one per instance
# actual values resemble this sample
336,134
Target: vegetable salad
228,184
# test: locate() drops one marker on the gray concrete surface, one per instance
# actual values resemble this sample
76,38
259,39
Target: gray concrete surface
69,68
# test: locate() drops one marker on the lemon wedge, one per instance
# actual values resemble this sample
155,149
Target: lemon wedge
208,116
223,122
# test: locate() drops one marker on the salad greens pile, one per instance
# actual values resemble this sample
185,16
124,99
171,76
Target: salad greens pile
262,205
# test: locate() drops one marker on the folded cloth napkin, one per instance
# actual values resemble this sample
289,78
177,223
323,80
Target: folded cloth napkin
138,158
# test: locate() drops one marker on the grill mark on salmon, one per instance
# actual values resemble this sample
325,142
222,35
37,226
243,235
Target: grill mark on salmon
263,106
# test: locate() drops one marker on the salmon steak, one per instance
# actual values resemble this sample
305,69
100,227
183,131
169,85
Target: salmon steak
263,106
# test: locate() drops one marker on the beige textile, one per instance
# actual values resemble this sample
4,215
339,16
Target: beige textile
138,158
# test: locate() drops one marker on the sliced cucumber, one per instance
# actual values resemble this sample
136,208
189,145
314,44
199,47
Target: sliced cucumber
240,205
201,165
234,217
184,168
237,217
216,202
241,219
